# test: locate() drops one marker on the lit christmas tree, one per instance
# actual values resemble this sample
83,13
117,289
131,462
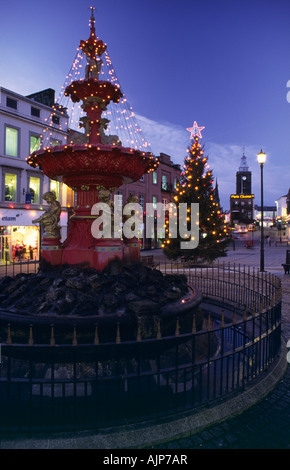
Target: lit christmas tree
196,186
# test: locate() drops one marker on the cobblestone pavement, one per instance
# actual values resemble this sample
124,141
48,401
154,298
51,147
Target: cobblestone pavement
265,425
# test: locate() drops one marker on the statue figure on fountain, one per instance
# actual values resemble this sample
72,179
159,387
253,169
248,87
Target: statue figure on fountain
93,68
85,122
50,219
108,139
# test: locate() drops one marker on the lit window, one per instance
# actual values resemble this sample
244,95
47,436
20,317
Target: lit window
55,142
154,177
34,189
175,183
154,201
34,143
54,187
11,142
10,187
164,183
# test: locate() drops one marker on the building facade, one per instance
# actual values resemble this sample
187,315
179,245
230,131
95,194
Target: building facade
22,124
269,215
281,207
242,203
155,187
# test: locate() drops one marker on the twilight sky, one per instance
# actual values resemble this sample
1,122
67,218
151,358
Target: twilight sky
222,63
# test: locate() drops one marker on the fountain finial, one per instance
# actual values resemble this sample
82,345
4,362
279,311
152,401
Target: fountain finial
92,19
93,47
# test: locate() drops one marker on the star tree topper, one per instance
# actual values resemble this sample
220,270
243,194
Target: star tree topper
195,131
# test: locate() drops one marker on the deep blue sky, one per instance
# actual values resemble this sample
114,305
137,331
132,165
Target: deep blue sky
223,63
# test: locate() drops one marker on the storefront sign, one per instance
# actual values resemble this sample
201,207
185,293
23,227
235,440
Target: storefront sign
8,219
242,196
22,217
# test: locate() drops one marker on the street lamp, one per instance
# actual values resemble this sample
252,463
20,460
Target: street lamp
261,159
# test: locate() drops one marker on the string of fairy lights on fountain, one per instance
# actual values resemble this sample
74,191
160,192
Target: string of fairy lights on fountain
121,116
122,120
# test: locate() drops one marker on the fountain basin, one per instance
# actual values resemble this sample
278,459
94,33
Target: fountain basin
85,164
80,90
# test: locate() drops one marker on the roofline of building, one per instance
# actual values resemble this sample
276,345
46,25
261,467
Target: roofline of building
32,101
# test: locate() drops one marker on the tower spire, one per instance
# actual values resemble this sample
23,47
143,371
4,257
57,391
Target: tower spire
243,164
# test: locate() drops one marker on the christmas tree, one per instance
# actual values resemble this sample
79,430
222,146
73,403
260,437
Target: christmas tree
196,186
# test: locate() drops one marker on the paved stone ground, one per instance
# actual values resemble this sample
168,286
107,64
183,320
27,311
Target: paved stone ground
266,425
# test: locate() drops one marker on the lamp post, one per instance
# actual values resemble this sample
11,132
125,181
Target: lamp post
261,159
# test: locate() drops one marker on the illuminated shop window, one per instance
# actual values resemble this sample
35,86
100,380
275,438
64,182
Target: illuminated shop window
35,143
10,187
54,187
34,189
11,141
70,197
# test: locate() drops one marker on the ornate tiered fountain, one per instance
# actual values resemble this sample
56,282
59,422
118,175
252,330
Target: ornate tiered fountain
89,346
93,170
93,313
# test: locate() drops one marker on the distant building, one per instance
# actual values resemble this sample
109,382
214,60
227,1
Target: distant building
22,122
154,187
281,205
242,203
269,215
283,219
288,202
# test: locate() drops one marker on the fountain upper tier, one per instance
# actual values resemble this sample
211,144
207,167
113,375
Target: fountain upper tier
102,160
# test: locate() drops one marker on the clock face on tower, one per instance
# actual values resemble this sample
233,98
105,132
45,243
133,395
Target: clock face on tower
243,183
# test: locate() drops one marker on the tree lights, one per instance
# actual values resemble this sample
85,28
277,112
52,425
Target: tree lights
195,186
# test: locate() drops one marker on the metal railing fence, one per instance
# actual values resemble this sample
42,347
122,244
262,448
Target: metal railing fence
57,385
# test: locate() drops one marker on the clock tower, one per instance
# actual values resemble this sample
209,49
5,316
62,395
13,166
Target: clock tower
243,178
242,203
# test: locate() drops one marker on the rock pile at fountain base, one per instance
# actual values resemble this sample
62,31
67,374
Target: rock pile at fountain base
69,296
71,291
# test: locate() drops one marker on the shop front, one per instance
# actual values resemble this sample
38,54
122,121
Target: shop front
19,237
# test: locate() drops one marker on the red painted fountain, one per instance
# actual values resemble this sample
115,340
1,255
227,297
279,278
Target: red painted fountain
93,170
